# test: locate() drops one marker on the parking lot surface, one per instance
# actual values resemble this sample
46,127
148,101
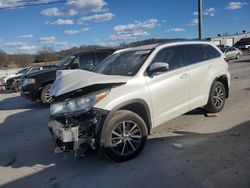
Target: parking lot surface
189,151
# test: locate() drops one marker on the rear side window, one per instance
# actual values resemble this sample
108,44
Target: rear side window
86,61
211,52
192,53
169,55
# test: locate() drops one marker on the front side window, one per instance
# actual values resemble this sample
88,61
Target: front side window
125,63
169,55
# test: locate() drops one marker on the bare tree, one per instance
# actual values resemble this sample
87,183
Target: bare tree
23,60
3,59
46,54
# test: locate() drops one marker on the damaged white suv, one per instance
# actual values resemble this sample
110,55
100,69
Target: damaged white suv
132,91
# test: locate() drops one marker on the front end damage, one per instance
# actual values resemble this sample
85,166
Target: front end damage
79,131
75,122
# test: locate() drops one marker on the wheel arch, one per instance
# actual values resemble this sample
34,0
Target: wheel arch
44,84
224,80
137,106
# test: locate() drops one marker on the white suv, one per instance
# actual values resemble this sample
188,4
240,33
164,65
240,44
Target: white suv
132,91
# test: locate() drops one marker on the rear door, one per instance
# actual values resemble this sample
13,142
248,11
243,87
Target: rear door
170,91
200,69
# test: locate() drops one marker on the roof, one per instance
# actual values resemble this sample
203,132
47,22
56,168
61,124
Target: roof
94,50
153,46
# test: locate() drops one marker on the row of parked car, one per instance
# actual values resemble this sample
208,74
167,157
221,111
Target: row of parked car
109,100
13,81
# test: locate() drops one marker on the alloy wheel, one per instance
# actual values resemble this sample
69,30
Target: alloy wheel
218,96
125,138
48,96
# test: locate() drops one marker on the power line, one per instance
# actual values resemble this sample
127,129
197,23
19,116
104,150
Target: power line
30,4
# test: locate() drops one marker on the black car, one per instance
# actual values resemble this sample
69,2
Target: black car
36,86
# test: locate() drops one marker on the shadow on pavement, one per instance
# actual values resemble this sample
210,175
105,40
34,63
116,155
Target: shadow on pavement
17,102
206,160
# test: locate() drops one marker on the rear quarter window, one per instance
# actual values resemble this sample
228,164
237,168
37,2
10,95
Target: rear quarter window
211,52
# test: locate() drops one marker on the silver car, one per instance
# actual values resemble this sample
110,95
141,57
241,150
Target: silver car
115,107
232,53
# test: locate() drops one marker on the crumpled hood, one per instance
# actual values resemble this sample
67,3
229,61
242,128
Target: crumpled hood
71,80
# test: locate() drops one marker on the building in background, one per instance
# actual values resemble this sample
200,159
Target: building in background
230,40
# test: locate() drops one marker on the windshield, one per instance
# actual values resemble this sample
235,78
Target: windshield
23,71
124,63
65,62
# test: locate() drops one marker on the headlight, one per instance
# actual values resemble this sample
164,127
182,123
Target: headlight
76,105
28,81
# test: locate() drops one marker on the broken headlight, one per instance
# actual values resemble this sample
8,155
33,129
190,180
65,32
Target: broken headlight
78,104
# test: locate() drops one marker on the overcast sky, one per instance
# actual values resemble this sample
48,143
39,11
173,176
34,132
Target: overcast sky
110,22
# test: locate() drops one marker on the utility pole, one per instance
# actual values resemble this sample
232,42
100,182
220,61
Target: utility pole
200,18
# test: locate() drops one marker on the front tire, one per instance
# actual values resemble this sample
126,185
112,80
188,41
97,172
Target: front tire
45,94
217,98
125,136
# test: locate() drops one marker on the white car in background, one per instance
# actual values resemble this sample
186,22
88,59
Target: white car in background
114,107
232,53
12,81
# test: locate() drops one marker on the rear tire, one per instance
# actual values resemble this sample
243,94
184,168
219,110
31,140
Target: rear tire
45,94
125,136
217,98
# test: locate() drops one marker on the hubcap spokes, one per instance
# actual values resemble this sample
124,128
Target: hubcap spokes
125,138
48,96
218,97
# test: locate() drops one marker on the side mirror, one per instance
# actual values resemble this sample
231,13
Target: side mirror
158,67
75,66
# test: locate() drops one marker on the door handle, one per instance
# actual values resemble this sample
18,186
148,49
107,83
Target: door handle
184,76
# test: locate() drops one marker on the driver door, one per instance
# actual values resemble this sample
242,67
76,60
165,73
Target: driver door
170,91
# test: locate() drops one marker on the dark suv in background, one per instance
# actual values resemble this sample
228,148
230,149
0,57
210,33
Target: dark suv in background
36,86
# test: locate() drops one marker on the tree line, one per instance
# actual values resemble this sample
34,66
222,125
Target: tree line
47,54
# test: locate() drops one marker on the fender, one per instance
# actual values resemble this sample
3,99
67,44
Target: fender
223,76
102,127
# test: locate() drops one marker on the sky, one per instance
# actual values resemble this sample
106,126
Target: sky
62,24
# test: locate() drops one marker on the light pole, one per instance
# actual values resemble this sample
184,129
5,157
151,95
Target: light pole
200,19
